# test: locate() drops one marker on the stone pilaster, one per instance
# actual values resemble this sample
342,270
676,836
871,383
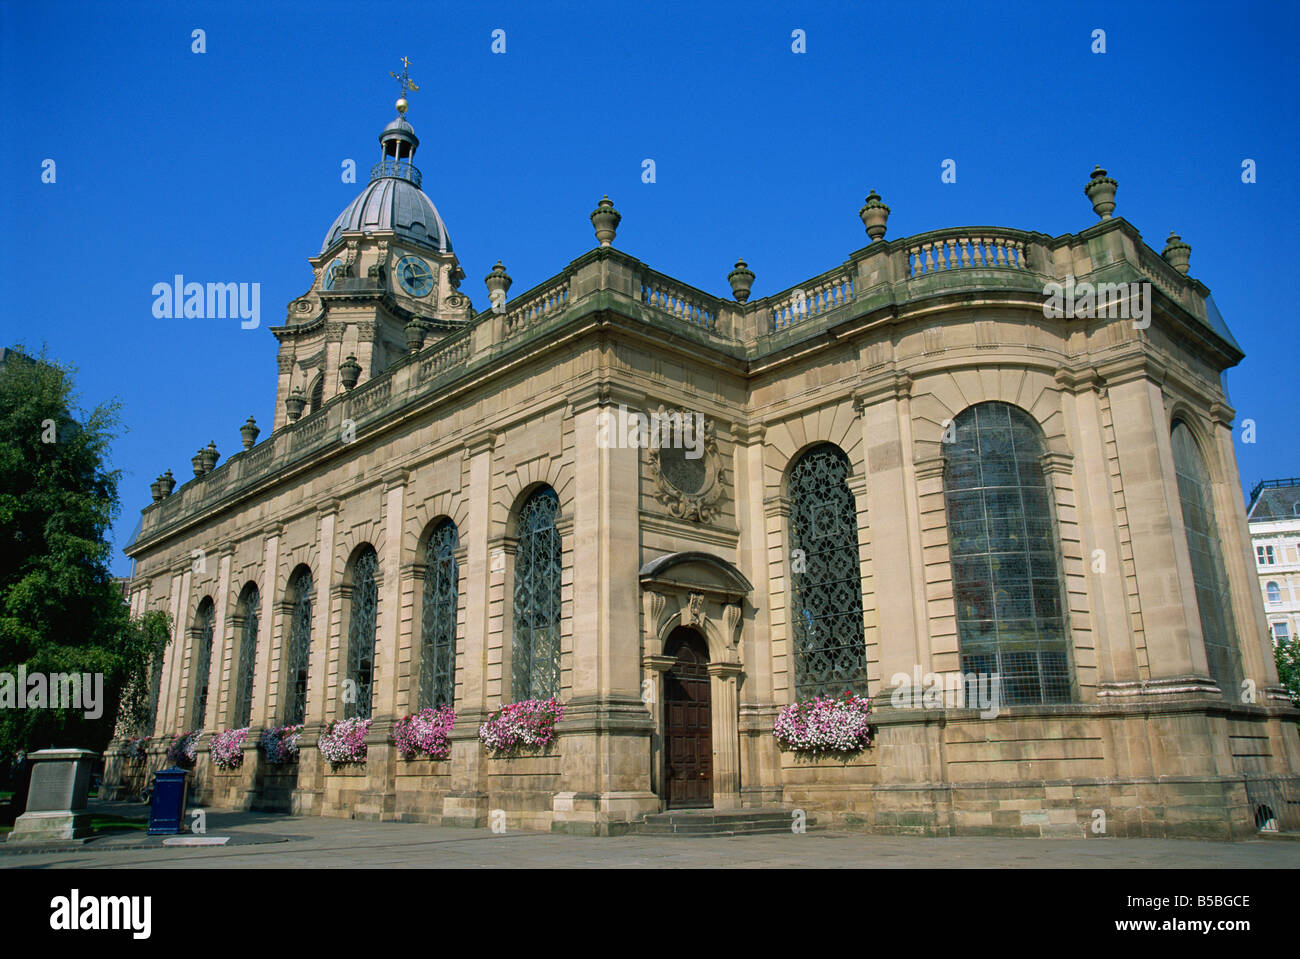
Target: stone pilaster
726,734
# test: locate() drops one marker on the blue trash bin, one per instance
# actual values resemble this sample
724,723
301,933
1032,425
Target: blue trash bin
167,808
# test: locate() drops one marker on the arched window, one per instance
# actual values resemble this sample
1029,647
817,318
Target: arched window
535,650
249,611
317,393
1213,599
830,655
299,648
203,622
1274,593
438,624
1006,564
155,683
361,633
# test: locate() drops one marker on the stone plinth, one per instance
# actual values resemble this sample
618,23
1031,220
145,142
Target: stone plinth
56,801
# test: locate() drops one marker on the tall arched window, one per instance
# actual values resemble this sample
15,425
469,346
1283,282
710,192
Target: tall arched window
299,648
155,683
1213,599
438,624
1274,593
535,650
830,654
317,393
249,611
1006,563
203,622
361,633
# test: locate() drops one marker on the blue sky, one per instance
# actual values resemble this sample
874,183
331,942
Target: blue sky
225,165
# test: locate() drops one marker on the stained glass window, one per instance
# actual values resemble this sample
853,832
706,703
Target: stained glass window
1213,599
361,634
438,624
203,622
535,650
299,648
1006,566
250,611
830,655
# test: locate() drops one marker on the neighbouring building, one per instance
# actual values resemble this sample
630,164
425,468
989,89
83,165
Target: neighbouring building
911,463
1274,515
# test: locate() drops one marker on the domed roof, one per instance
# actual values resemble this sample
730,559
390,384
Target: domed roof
391,202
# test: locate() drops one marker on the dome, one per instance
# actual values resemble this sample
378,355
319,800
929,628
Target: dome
393,200
394,203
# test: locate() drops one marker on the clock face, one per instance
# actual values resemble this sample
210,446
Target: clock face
414,276
331,274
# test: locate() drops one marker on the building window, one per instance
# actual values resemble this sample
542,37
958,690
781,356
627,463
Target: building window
1274,593
299,648
1281,633
361,634
317,393
438,624
1210,579
155,684
535,648
830,655
249,610
203,622
1006,565
1265,556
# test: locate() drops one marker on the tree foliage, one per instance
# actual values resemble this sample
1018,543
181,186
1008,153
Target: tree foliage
1287,656
60,610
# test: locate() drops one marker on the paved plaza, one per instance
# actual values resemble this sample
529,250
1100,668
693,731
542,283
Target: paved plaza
270,841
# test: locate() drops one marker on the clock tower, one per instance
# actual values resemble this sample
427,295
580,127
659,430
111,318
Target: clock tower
386,281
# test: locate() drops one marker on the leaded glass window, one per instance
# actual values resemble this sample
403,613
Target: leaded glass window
202,662
299,648
830,655
1006,565
155,684
535,650
361,634
438,624
249,610
1213,599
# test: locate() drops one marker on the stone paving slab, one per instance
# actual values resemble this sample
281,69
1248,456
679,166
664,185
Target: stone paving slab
271,841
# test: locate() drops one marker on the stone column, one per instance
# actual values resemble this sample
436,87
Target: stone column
657,666
726,735
270,632
219,680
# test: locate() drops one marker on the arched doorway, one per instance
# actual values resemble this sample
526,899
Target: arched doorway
688,722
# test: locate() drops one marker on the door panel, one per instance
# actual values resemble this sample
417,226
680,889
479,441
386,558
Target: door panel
688,730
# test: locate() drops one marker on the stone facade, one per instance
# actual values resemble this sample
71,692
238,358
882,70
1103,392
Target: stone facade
477,409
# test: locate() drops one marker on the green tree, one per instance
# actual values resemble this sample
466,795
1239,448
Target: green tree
60,610
1287,656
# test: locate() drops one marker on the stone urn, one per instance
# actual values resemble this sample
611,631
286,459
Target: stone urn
1101,191
741,280
605,219
1177,253
874,216
498,284
350,371
414,336
198,462
168,483
294,404
210,456
155,488
248,433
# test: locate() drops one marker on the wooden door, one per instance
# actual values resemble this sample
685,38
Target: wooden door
688,728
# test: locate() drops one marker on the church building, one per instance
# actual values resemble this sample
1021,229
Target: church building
973,453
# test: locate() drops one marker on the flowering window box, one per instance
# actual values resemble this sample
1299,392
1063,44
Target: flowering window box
181,750
135,749
825,726
525,726
426,733
343,742
227,748
279,744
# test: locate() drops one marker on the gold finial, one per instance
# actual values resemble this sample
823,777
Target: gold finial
406,84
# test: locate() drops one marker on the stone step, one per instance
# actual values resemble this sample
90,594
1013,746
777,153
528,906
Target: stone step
719,822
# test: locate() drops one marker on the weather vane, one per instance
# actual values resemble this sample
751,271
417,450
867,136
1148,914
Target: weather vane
406,84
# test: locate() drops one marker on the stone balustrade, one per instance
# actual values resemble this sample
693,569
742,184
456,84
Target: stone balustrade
811,299
966,249
536,305
679,301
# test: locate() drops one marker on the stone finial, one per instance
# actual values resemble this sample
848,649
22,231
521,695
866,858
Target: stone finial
1177,253
350,371
1101,191
498,284
155,488
741,280
414,335
606,220
199,463
874,216
210,456
294,404
248,433
168,483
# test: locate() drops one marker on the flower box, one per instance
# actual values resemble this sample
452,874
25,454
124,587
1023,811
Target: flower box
825,726
426,733
181,749
344,742
227,748
279,744
523,726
